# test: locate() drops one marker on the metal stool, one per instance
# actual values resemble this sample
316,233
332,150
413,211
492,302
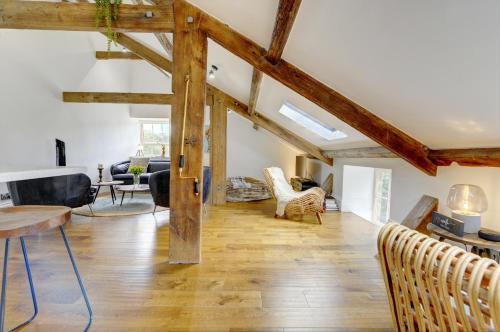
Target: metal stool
20,221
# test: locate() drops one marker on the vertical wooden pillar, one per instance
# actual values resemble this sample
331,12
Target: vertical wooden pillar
190,59
218,143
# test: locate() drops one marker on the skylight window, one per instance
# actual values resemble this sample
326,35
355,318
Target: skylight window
307,121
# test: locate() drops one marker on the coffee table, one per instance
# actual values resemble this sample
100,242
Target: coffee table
109,184
132,188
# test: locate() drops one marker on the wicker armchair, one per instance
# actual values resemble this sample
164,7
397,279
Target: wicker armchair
435,286
295,203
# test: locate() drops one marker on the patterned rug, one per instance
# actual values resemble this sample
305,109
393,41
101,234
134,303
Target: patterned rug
104,207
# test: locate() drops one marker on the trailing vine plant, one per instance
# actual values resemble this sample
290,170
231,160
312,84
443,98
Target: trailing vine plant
107,10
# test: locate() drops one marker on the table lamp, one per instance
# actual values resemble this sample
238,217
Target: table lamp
140,151
467,202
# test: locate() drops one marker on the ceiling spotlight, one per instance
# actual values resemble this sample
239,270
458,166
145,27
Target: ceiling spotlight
124,50
211,73
148,14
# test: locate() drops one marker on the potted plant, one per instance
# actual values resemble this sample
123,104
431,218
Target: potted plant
107,10
136,171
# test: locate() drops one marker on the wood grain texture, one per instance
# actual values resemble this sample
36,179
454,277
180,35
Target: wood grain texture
467,157
254,91
145,52
370,152
258,274
434,286
421,214
285,16
41,15
273,127
112,55
26,220
162,38
165,42
190,59
218,147
118,98
325,97
240,108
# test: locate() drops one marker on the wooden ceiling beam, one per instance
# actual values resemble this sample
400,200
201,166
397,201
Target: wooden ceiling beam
41,15
317,92
163,63
285,16
254,91
165,43
466,157
161,37
104,55
370,152
118,98
145,52
271,126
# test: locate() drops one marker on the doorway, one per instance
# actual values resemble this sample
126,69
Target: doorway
366,192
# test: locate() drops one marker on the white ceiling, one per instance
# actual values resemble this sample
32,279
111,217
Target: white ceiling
431,68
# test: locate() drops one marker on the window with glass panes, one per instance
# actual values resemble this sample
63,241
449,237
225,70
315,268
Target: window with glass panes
155,135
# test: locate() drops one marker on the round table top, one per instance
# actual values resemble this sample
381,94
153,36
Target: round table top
471,239
16,221
108,183
134,188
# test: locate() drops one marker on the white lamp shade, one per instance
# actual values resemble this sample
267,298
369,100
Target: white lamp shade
467,199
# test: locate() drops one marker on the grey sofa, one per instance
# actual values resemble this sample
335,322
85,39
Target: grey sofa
119,171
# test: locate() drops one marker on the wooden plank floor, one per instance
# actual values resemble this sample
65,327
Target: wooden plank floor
258,274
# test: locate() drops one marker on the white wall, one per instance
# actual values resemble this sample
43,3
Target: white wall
357,191
35,67
409,184
250,151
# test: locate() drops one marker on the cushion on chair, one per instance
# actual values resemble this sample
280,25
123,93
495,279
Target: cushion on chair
139,161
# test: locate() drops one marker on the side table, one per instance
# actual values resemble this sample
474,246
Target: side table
109,184
478,245
21,221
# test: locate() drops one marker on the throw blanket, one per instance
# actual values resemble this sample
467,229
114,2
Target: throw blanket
239,182
283,191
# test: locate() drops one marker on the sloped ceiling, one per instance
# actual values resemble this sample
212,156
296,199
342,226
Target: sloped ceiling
431,68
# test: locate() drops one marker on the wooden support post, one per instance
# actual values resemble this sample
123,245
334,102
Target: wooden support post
190,60
218,146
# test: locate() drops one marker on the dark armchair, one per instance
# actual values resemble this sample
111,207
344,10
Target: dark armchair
159,185
68,190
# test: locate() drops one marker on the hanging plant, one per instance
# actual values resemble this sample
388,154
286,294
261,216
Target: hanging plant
107,10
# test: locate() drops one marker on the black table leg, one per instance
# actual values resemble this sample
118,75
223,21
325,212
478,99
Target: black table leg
97,193
112,190
123,195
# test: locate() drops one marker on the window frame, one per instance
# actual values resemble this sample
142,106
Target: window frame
142,140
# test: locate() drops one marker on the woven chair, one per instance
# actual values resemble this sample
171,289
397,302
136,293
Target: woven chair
435,286
297,203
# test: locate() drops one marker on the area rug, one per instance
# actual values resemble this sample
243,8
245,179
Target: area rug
103,206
